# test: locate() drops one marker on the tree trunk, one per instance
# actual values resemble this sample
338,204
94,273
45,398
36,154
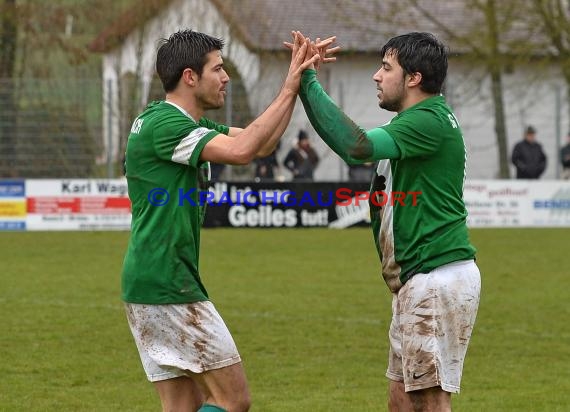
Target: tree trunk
566,75
500,125
495,69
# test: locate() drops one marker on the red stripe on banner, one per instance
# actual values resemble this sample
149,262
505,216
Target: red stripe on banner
78,205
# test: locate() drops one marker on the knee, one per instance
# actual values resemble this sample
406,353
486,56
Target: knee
243,403
240,403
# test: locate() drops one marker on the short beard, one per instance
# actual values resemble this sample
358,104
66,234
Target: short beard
212,106
395,104
391,106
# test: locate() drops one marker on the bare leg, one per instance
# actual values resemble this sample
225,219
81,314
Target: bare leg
226,388
179,395
398,399
431,400
425,400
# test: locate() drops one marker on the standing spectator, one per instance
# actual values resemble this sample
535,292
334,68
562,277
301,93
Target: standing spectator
361,172
216,170
302,158
528,157
565,158
265,167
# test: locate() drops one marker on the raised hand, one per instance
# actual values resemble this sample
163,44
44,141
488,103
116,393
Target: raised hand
303,56
320,47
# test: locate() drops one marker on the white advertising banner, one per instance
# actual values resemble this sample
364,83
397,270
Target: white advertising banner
103,204
518,203
77,204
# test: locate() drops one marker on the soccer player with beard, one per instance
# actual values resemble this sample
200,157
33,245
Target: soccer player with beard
427,259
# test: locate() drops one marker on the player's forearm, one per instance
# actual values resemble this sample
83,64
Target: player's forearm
337,130
270,145
265,131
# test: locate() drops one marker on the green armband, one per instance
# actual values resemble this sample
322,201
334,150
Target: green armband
383,145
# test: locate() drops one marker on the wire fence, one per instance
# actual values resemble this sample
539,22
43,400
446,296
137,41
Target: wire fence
52,128
49,127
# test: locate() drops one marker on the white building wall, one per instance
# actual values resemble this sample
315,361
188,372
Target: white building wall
530,98
137,54
530,92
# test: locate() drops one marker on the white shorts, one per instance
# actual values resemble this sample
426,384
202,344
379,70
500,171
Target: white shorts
432,319
177,340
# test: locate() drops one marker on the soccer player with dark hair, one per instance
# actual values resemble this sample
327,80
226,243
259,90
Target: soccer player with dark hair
427,259
185,347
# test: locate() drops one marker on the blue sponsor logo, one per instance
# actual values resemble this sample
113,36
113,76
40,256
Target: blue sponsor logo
552,204
12,188
12,225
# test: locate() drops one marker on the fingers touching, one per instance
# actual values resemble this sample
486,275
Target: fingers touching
319,47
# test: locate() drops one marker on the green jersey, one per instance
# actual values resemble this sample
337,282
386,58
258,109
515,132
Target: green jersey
422,224
164,174
416,197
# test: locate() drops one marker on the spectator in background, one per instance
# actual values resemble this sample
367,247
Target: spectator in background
302,158
565,158
265,167
361,172
216,170
528,157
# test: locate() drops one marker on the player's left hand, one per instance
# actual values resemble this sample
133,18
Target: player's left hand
322,48
302,58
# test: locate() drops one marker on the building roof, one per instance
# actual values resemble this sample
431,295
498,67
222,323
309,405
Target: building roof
115,33
360,25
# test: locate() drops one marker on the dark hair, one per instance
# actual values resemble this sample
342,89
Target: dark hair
423,53
183,49
302,135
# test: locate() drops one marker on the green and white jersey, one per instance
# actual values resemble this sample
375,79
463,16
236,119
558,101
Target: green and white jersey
430,172
416,200
164,174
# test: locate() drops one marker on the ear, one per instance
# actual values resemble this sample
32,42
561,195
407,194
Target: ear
414,79
189,77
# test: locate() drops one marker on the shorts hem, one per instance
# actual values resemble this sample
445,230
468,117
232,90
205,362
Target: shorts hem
221,364
426,385
450,388
394,377
409,388
157,377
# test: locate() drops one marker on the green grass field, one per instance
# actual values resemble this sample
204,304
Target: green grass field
307,308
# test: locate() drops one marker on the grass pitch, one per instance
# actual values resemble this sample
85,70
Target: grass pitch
307,308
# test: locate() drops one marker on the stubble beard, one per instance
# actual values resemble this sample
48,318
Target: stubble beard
394,104
211,104
390,105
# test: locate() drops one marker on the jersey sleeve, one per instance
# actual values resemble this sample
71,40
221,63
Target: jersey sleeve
210,124
418,133
383,145
338,131
181,140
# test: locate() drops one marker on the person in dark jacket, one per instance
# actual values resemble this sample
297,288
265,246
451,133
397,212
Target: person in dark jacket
302,159
528,157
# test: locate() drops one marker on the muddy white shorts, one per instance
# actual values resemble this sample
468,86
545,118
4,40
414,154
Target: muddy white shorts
432,319
176,340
